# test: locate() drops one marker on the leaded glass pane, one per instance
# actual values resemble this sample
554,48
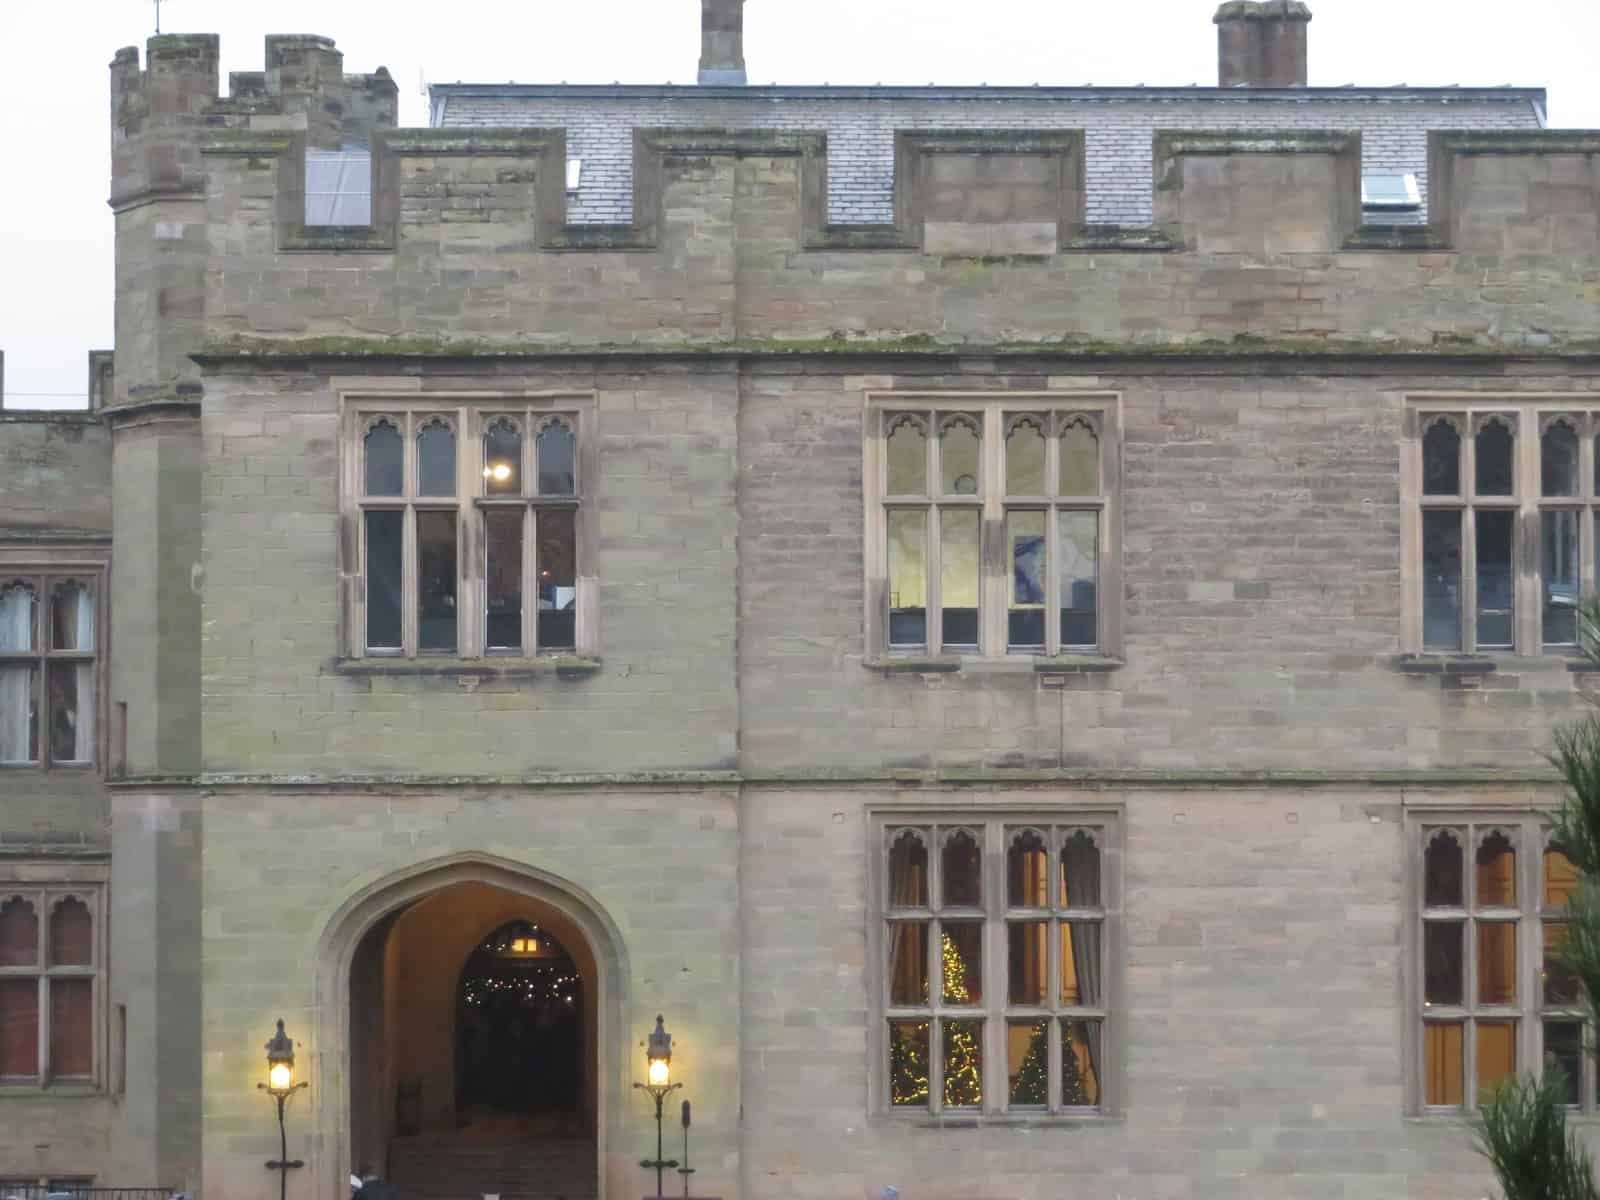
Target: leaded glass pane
1559,576
1558,460
502,458
908,577
961,955
384,452
1441,579
1443,1068
1027,557
558,455
384,575
1444,969
436,460
1441,460
908,963
558,580
436,580
958,576
71,617
503,577
1494,453
1025,458
1078,565
1080,1063
1496,579
1080,460
963,1063
961,868
1027,871
908,871
959,444
1443,871
18,602
907,450
908,1064
1027,1064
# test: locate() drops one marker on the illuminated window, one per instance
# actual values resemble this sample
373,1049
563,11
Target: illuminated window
51,984
1492,998
469,530
49,669
997,939
952,480
1505,505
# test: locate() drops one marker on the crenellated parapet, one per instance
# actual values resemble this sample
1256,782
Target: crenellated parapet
157,111
1257,234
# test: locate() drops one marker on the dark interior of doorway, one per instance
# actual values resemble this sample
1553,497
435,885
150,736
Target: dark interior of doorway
519,1035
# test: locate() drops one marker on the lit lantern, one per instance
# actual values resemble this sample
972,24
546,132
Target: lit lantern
280,1063
658,1054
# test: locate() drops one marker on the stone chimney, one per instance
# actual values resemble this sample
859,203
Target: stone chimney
1261,43
722,42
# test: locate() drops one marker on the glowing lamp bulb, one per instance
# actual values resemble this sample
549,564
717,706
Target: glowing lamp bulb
660,1072
499,472
281,1077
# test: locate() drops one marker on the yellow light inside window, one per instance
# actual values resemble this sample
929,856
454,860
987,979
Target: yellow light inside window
660,1072
499,472
281,1077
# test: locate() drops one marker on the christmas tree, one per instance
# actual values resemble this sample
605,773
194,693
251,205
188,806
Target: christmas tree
1074,1094
908,1063
1032,1084
963,1064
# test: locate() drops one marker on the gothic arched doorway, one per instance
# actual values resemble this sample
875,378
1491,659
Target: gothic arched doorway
470,1070
520,1033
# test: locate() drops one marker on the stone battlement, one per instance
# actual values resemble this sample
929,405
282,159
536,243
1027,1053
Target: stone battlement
304,88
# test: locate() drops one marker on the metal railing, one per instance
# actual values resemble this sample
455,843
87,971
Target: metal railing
11,1191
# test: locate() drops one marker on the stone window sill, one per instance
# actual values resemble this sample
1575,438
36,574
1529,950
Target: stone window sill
1082,1120
1016,664
1444,664
563,666
66,1090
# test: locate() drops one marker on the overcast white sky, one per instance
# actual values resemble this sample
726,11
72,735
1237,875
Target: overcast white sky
56,232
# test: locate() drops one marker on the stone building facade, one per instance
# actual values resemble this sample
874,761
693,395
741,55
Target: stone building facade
1023,622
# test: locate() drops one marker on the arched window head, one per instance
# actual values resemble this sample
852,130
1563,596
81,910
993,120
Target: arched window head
384,453
1561,877
18,604
1028,870
1441,459
1080,458
1080,870
436,458
1496,879
1494,447
1558,459
72,616
907,448
961,866
19,933
558,471
959,442
502,458
1025,457
1442,870
908,870
71,934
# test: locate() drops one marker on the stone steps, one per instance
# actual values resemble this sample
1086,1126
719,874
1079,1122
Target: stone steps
457,1167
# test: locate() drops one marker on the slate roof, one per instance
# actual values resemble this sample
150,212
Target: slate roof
861,122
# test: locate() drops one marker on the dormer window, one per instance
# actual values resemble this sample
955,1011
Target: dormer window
339,186
1390,191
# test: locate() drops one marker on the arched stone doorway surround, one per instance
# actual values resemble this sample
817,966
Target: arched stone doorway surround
328,1164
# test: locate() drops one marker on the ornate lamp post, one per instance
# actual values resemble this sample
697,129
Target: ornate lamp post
658,1053
280,1086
